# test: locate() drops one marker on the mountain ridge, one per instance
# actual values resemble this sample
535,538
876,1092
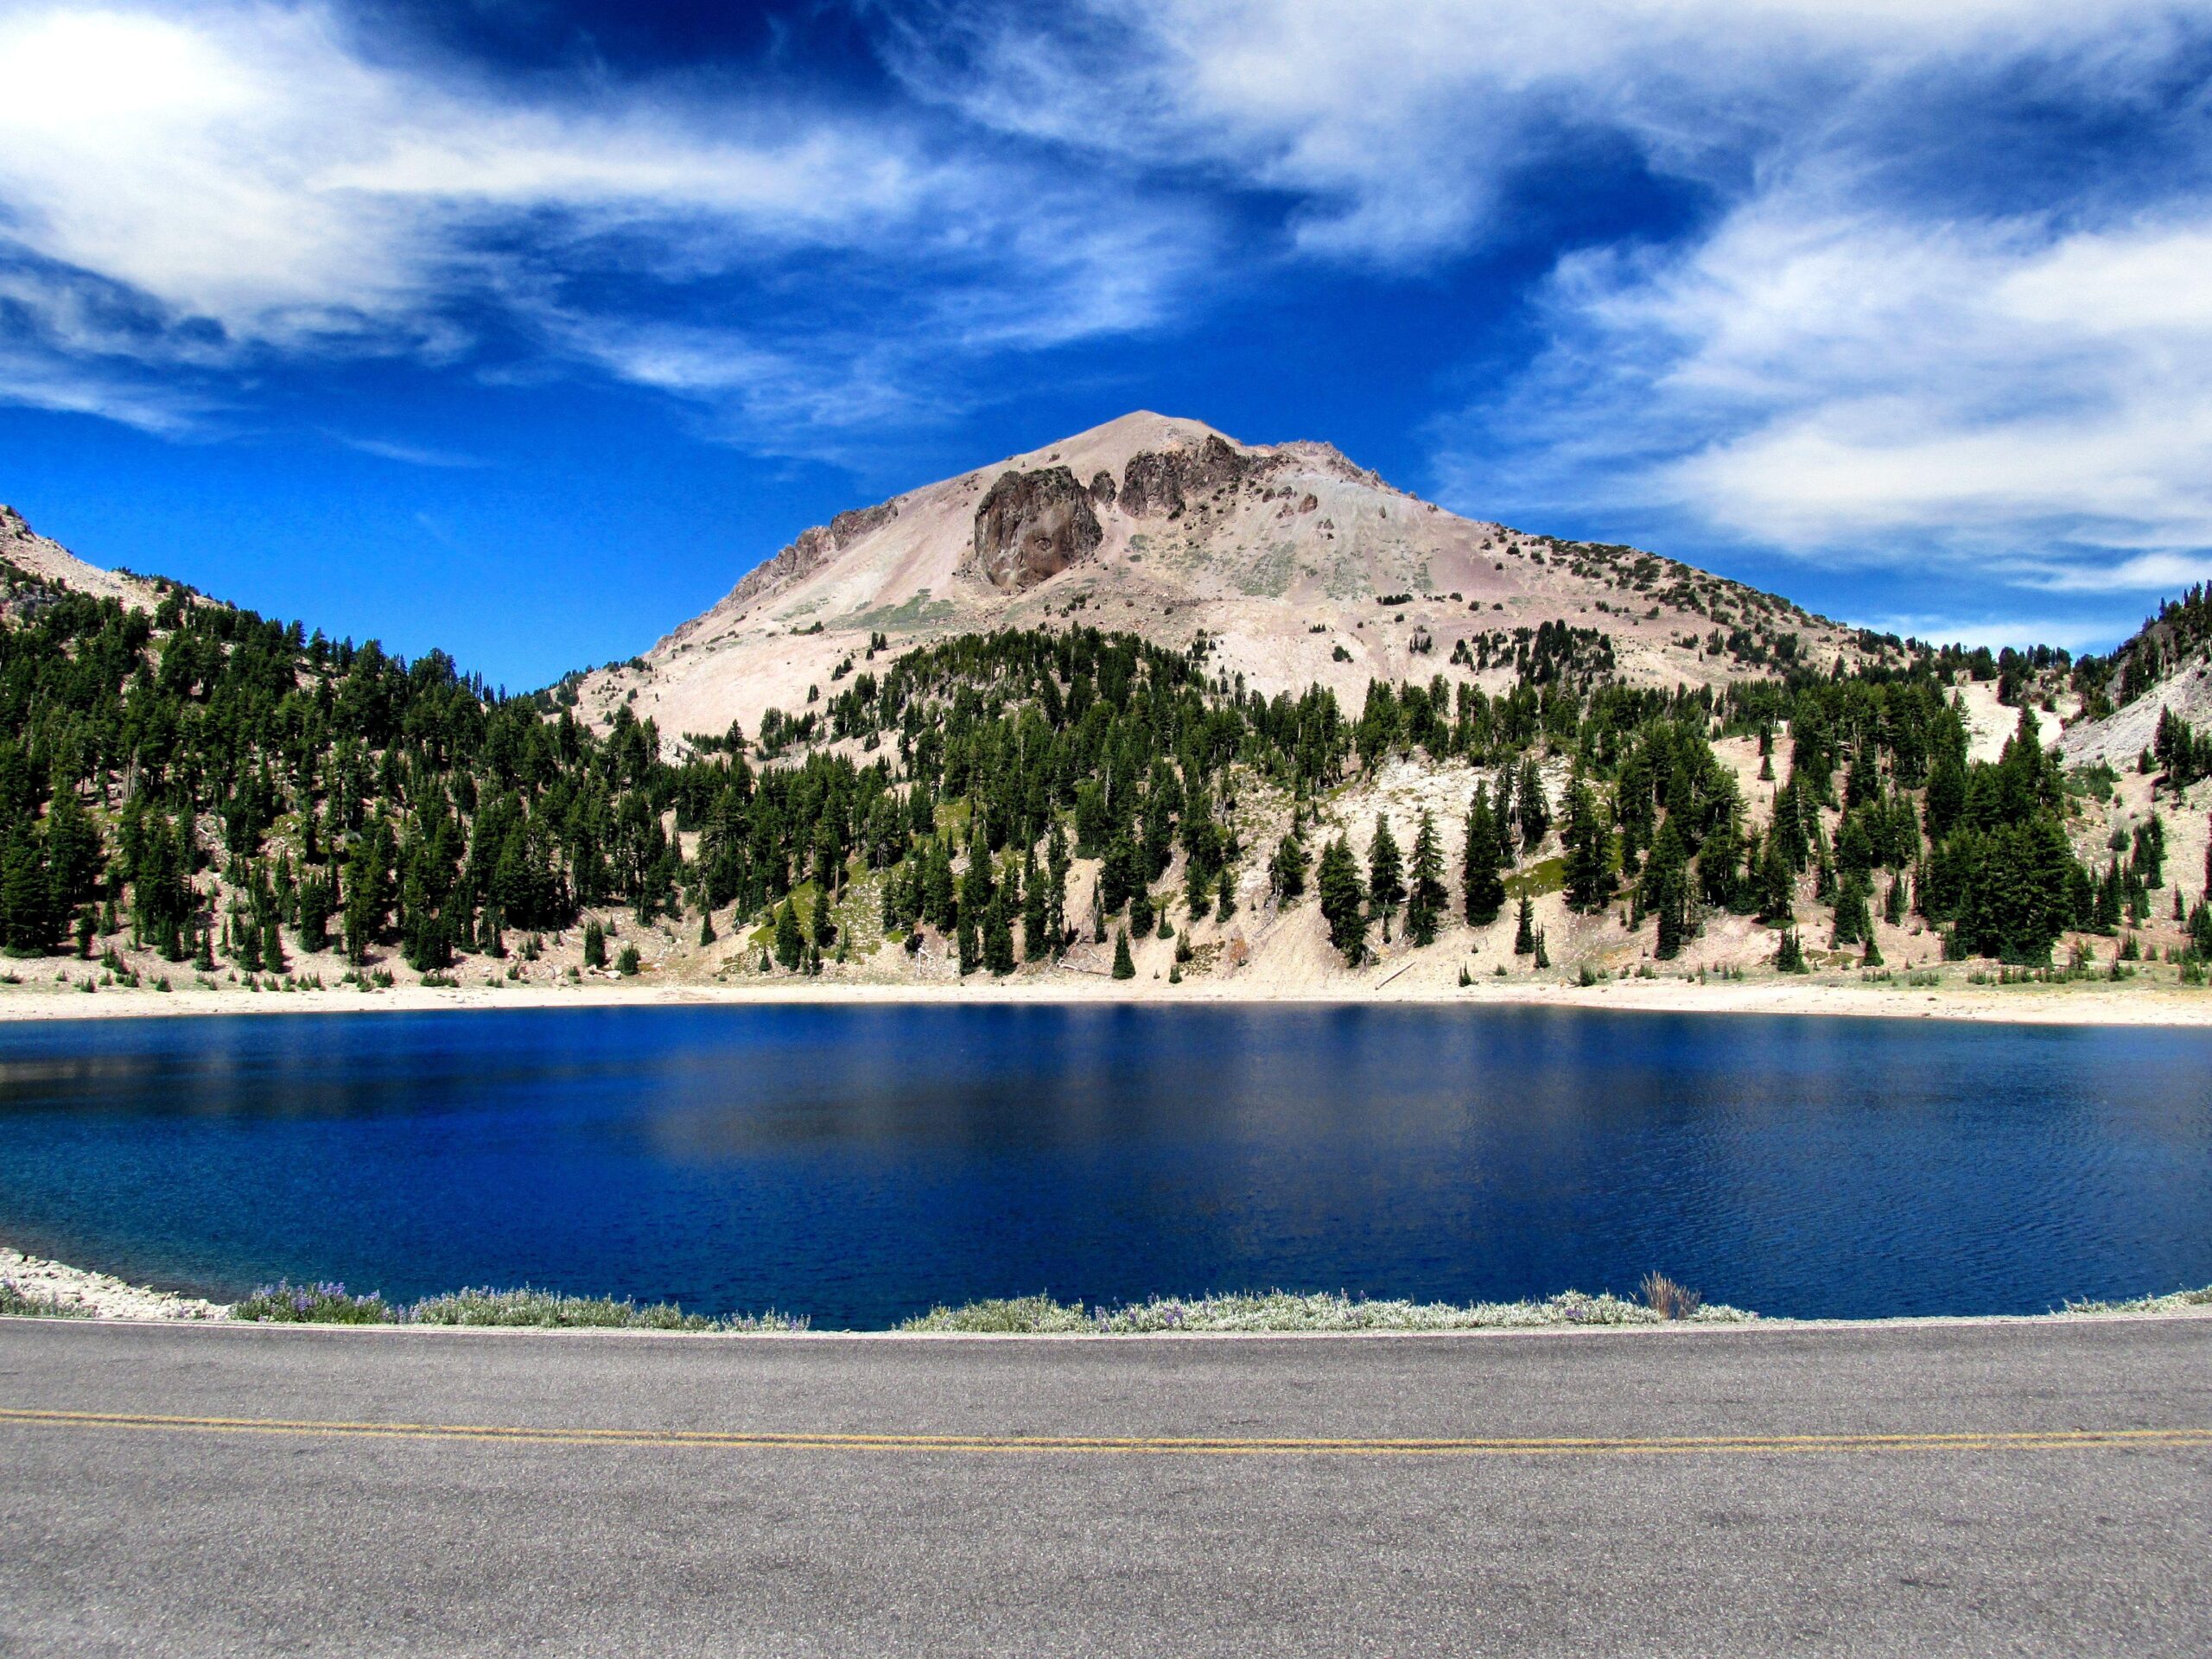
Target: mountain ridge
1299,567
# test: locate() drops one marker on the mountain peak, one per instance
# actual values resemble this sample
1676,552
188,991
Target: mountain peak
1297,565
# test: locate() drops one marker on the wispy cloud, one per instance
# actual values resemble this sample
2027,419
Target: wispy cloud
1875,388
410,455
255,183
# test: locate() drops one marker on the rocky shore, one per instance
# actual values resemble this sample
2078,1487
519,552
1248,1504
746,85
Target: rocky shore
53,1289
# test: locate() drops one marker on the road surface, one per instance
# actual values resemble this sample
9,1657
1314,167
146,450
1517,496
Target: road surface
1968,1489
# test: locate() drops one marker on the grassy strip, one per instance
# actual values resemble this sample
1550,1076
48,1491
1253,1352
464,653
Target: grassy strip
331,1304
543,1310
2176,1301
18,1303
1288,1310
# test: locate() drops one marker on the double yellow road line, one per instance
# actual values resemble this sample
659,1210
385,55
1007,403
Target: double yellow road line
2062,1439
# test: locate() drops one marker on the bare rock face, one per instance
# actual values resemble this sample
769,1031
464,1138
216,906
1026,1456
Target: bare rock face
1030,526
814,548
1157,481
1101,488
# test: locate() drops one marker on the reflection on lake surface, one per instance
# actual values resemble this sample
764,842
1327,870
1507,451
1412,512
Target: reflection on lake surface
859,1164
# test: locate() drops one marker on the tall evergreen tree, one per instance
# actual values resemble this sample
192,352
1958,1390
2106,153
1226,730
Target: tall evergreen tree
1524,928
1125,966
1386,869
1589,878
1034,916
1777,885
998,936
1337,880
1056,893
1666,889
967,940
1535,811
1287,869
1482,889
1427,897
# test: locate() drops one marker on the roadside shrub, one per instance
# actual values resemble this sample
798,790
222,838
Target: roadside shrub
286,1303
330,1304
2177,1301
1290,1311
1668,1300
546,1310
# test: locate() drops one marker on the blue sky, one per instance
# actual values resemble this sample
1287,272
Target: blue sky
524,329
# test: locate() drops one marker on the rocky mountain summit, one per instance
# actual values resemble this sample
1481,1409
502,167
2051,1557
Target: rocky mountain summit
1297,565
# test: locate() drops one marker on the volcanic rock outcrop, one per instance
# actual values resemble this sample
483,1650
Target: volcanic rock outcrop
1031,526
813,548
1162,482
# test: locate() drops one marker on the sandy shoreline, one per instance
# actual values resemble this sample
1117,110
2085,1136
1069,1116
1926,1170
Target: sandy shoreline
2093,1003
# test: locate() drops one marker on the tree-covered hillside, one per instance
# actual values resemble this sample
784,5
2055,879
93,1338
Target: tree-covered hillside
200,784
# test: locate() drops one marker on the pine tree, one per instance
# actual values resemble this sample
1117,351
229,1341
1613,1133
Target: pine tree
1665,891
1035,911
1425,904
1483,889
1720,858
791,944
1789,954
596,943
1777,886
1524,928
998,936
1854,921
1287,869
1535,811
1339,881
967,941
706,926
1125,966
1141,912
1589,875
1056,896
1386,884
1224,899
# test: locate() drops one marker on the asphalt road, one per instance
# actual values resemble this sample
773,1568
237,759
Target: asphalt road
1882,1489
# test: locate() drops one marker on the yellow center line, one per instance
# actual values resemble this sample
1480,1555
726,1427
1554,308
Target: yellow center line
1153,1446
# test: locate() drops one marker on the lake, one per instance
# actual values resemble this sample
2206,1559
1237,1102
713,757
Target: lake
859,1165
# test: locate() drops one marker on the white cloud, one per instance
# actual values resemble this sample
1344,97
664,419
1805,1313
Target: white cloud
1398,126
259,184
1872,387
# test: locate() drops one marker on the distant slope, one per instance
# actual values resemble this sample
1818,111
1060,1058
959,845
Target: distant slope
1300,566
2166,666
30,563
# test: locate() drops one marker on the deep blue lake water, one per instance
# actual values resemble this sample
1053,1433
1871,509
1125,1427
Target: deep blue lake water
858,1165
